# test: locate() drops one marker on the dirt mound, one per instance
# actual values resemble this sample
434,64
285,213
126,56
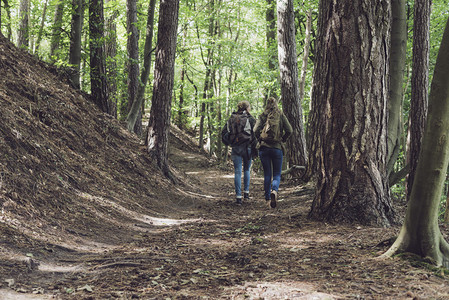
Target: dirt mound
66,168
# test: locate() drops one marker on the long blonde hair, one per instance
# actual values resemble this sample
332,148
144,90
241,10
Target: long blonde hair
272,104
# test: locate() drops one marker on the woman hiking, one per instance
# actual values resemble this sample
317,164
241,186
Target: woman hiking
272,129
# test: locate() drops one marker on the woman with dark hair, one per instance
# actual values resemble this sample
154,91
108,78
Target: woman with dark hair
238,133
272,129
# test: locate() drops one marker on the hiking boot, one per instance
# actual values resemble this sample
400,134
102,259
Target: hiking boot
238,201
246,195
274,197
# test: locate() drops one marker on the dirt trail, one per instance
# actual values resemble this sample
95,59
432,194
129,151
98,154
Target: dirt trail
224,251
85,215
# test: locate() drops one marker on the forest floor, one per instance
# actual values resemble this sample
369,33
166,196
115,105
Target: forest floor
86,215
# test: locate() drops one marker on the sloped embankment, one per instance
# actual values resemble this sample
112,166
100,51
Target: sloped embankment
69,174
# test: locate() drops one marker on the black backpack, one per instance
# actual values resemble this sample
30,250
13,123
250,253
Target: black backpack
239,129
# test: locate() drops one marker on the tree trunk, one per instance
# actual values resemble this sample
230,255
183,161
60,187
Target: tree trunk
349,113
56,30
270,17
75,41
98,80
159,123
23,39
291,103
41,28
133,60
305,57
397,64
136,106
420,83
420,233
111,64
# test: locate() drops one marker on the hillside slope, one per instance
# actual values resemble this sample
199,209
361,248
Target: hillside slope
67,169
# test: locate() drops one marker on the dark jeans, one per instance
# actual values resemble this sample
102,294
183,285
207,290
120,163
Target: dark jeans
271,159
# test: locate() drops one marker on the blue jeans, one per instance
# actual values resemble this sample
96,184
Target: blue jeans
238,161
271,159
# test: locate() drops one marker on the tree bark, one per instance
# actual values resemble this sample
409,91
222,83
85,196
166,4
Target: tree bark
291,102
349,118
75,41
23,39
420,83
98,80
136,106
111,64
133,60
305,57
270,17
397,65
159,123
7,7
420,233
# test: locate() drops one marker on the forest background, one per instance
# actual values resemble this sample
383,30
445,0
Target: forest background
225,52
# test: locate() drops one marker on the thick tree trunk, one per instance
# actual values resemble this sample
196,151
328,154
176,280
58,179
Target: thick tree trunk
75,41
98,80
397,65
56,30
23,39
291,102
7,7
159,123
349,113
420,233
136,107
420,83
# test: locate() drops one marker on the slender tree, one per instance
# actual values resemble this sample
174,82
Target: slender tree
397,65
291,102
75,41
349,118
270,18
420,233
159,123
41,28
111,59
419,85
56,29
133,59
98,80
148,48
23,39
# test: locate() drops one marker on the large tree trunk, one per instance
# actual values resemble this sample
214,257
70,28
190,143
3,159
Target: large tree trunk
75,41
349,112
136,107
291,103
56,30
420,233
164,72
23,39
397,64
420,82
98,80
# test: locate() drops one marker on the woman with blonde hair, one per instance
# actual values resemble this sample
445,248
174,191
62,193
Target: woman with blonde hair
272,129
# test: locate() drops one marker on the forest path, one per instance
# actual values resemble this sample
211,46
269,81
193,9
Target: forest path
210,248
